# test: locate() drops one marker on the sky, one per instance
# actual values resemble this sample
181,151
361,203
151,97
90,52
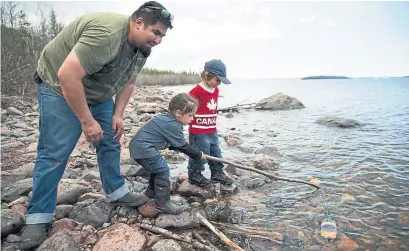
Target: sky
272,39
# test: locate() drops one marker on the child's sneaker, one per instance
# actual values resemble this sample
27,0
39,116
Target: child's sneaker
221,177
196,178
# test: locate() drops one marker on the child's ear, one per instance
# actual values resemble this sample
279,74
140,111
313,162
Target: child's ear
178,113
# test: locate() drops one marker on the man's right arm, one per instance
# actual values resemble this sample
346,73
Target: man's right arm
89,55
70,75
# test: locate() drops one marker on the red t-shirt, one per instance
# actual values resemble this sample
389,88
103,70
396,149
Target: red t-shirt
204,121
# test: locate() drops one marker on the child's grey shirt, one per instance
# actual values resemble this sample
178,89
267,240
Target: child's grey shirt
159,133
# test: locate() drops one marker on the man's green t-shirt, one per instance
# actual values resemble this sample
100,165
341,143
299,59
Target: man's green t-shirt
100,42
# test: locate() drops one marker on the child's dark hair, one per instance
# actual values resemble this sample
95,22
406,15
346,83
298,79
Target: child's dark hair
183,102
151,16
207,76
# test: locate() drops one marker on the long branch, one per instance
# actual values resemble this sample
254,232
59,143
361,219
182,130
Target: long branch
248,231
271,176
169,234
251,105
218,233
202,239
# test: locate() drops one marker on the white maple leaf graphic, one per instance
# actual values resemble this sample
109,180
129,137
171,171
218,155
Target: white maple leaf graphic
212,104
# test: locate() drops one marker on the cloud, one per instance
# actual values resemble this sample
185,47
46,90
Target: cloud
330,22
215,27
310,19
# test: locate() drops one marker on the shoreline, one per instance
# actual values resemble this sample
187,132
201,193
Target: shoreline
217,204
256,198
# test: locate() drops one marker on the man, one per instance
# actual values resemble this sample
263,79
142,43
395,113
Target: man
93,59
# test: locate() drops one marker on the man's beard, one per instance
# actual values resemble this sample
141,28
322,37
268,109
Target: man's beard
145,51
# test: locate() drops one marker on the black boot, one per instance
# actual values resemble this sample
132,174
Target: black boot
162,195
196,178
150,192
220,177
33,235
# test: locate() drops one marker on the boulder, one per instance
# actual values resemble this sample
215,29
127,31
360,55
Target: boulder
332,121
265,162
121,237
11,222
184,220
279,101
59,242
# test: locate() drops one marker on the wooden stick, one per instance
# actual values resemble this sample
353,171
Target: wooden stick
218,233
202,240
235,107
169,234
251,231
271,176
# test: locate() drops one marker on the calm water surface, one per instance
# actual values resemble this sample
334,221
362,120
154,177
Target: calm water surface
370,163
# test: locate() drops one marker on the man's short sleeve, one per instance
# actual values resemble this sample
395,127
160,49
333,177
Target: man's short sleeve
93,50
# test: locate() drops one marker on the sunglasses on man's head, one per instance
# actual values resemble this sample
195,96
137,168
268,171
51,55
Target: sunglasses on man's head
163,13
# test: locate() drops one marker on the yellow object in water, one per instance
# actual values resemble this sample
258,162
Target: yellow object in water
347,197
315,181
328,229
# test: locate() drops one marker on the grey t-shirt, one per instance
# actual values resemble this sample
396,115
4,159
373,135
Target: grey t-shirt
157,134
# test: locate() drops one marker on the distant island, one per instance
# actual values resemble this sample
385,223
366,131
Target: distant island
325,77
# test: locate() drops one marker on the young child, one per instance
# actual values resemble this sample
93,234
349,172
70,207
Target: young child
161,132
202,130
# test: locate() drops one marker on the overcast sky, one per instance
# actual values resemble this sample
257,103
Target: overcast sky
261,39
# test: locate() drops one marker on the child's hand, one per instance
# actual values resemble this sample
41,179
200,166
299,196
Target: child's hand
174,149
203,156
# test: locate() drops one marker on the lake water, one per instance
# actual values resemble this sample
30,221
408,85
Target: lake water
370,163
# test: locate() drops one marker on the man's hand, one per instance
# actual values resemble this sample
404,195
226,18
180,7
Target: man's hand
118,127
92,131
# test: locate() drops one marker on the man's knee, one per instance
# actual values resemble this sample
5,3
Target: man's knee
54,157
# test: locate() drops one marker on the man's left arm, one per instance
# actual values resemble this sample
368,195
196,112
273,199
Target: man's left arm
121,100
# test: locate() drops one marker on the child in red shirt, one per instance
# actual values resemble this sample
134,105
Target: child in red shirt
202,130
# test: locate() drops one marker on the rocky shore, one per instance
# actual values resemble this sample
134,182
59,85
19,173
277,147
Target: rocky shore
85,221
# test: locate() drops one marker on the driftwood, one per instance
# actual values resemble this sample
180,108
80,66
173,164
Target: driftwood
236,108
218,233
249,232
271,176
185,239
202,240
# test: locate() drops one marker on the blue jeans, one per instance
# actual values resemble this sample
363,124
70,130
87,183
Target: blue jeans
60,130
208,144
157,166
